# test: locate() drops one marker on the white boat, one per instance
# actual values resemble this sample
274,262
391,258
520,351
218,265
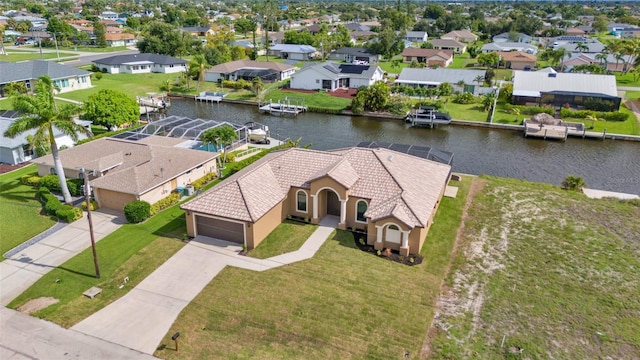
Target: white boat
257,133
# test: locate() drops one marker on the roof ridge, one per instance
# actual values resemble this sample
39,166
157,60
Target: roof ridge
244,200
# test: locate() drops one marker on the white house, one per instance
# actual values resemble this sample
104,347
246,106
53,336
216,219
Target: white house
292,51
66,78
417,36
331,76
509,46
141,63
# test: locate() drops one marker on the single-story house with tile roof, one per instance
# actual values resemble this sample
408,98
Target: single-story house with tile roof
392,195
197,30
331,76
612,64
460,35
448,44
268,71
593,46
558,89
18,150
292,51
518,60
435,77
353,54
124,170
575,31
66,78
119,39
509,46
354,26
358,36
430,57
141,63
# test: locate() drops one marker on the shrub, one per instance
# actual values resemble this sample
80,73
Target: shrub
52,183
614,116
68,213
532,110
52,204
94,205
573,183
137,211
464,98
97,76
437,104
198,184
164,203
30,180
231,157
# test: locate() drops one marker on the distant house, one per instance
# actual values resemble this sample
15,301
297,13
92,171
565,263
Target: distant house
357,27
575,31
121,170
509,46
358,36
429,57
518,60
447,44
18,150
610,63
416,36
141,63
276,37
292,51
198,30
461,80
559,89
460,35
331,76
513,37
268,71
122,39
355,55
108,15
65,78
591,46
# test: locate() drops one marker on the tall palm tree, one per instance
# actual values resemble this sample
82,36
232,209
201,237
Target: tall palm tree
41,113
580,46
602,59
197,67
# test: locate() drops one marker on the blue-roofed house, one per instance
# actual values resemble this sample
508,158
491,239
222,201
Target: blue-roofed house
292,51
331,76
66,78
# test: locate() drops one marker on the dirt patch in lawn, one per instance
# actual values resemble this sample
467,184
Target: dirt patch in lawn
5,168
37,304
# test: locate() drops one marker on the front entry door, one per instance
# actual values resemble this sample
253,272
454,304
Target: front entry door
333,203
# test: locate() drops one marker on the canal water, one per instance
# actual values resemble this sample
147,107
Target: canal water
612,165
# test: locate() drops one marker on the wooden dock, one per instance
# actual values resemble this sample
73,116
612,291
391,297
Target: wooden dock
560,131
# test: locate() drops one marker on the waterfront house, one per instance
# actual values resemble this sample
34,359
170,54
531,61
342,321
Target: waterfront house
141,63
268,71
461,80
331,76
549,88
371,189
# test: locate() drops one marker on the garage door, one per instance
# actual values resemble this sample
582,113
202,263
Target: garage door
220,229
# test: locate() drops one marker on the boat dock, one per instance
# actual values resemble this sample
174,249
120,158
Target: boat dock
210,96
282,107
152,103
427,116
559,131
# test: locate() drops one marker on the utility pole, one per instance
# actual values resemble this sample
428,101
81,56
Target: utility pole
87,199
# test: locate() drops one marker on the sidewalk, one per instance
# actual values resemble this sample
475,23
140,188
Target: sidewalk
140,319
23,269
26,337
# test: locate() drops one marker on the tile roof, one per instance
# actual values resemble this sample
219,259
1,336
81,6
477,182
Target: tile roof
447,43
445,54
232,66
133,167
517,56
396,184
28,70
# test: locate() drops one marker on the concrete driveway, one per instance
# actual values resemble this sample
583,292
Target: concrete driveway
26,337
140,319
23,269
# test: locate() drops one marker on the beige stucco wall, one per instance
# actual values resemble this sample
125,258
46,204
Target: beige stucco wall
191,223
112,199
263,227
292,203
520,65
158,193
327,184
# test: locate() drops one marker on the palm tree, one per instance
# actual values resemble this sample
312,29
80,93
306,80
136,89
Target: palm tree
41,113
197,67
479,79
602,59
580,46
221,135
619,57
516,112
257,85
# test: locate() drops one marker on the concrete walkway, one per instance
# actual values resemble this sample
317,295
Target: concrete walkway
26,337
23,269
140,319
599,194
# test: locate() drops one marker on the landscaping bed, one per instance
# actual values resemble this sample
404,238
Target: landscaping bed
360,239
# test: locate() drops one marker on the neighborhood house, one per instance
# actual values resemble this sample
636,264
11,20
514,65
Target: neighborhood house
391,195
268,71
141,63
331,76
65,78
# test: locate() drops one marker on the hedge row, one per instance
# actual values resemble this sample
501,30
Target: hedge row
54,207
52,183
582,114
199,183
165,203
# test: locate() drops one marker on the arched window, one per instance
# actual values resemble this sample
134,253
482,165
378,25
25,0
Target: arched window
394,227
361,208
302,201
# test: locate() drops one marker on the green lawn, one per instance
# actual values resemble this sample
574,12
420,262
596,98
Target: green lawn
341,304
15,56
633,95
549,271
627,127
20,212
287,237
460,61
626,80
117,258
320,100
93,49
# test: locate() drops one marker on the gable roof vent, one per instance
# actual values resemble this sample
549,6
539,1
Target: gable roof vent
552,75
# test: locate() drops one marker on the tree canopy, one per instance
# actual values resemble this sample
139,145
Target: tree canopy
111,108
